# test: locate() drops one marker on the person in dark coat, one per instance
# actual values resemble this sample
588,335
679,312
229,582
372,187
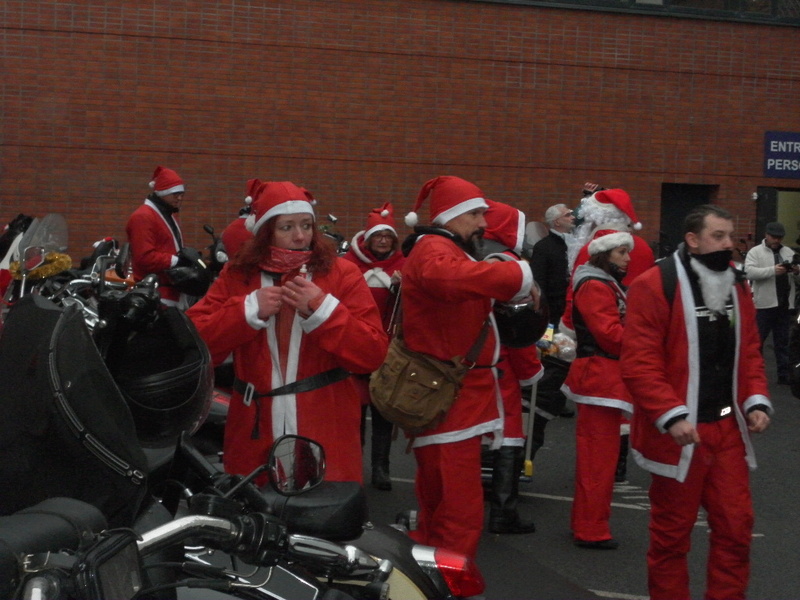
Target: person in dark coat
549,259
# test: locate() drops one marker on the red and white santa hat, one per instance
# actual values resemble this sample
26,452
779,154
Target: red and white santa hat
273,198
620,199
165,182
379,219
449,197
251,189
505,224
608,239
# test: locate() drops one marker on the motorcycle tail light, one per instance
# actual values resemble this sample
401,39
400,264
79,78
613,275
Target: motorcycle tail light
460,573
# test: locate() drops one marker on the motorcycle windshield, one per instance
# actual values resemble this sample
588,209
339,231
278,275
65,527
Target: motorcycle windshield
50,233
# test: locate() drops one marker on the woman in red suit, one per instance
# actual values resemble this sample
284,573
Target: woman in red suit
298,321
595,384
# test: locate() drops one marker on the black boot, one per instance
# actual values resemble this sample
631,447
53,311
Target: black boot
381,447
503,515
620,476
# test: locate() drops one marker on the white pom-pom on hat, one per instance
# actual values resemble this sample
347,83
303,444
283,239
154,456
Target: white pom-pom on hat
411,219
152,185
637,226
384,213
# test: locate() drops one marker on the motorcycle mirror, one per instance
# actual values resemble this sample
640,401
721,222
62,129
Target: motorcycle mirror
123,266
332,218
296,464
209,230
32,257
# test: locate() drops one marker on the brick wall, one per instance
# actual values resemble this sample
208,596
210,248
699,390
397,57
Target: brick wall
362,101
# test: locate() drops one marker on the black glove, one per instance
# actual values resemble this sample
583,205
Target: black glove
188,257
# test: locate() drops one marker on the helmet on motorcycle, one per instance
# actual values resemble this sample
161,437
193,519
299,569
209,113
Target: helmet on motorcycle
521,325
167,379
192,280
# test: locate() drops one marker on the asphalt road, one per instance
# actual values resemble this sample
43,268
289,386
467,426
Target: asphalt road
546,565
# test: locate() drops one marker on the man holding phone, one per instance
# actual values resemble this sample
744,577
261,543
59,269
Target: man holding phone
772,271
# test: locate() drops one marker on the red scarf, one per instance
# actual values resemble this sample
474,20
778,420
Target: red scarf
283,260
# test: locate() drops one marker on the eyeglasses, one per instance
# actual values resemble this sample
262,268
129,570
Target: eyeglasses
382,236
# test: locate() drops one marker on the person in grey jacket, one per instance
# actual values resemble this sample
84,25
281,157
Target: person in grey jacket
771,270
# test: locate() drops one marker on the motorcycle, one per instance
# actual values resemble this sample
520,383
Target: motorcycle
93,414
341,243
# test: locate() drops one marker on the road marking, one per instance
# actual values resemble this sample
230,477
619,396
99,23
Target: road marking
569,499
550,497
603,594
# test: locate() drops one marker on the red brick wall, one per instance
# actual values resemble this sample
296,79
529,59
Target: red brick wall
362,101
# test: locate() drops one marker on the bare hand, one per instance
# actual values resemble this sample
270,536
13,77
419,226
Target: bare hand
298,292
757,421
684,433
269,301
780,269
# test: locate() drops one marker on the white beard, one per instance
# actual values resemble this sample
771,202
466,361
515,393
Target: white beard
716,286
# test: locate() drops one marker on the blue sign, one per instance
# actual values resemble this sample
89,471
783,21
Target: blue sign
782,154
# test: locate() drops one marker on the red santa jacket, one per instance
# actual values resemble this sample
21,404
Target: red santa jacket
345,331
447,296
153,246
659,363
377,273
597,379
642,258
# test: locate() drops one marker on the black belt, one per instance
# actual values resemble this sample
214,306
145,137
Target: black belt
587,351
722,412
307,384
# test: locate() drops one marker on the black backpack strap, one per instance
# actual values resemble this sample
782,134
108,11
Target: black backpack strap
669,277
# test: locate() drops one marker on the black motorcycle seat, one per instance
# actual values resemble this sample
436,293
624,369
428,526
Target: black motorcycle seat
53,524
335,511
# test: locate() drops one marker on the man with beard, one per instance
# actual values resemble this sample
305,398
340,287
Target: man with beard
691,361
770,268
154,234
447,303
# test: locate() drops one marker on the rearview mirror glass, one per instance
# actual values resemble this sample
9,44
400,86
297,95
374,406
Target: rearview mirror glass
296,464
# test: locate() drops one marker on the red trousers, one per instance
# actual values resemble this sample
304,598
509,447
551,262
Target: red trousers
450,496
719,481
597,451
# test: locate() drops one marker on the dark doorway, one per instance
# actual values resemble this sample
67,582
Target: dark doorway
677,199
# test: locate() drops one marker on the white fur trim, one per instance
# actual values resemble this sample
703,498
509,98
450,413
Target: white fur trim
173,190
378,228
637,226
459,209
290,207
250,222
609,242
411,219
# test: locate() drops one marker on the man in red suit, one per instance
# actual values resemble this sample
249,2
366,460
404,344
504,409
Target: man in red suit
154,233
691,361
447,301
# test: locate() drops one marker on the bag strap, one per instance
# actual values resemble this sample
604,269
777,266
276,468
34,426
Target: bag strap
472,354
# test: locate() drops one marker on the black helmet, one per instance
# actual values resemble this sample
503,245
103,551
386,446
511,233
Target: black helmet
167,379
521,325
191,280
